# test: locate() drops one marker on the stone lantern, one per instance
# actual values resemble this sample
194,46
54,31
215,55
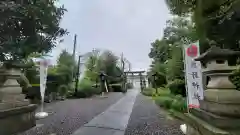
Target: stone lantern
219,112
16,112
103,86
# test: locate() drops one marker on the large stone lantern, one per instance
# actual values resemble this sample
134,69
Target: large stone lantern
16,113
219,112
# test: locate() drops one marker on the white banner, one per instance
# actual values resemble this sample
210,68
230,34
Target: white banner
193,75
43,76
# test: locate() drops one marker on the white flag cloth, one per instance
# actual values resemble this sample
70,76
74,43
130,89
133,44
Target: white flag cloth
193,75
43,77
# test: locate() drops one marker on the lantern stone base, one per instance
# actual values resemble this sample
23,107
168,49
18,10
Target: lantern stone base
8,101
216,120
200,122
17,119
222,109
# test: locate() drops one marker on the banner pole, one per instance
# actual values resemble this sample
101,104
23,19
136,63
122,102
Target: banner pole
185,78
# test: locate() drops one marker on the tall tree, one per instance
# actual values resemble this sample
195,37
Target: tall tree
211,17
167,52
92,66
179,31
65,66
28,26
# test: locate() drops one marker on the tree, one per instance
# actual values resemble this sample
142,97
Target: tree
167,53
175,65
66,67
179,31
109,63
92,66
28,26
159,51
211,18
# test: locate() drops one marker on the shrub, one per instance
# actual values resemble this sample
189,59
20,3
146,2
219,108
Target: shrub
177,87
86,89
85,83
179,104
164,92
33,92
235,78
161,80
149,92
117,87
164,101
62,90
90,91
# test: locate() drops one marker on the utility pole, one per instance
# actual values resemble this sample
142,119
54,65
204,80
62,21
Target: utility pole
123,64
123,67
73,54
77,75
74,46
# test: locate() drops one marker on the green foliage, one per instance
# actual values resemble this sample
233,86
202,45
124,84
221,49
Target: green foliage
167,53
93,66
159,51
177,87
28,26
164,92
85,83
149,91
66,68
168,101
179,104
175,65
32,75
86,89
211,18
106,62
117,87
164,101
235,78
109,65
62,90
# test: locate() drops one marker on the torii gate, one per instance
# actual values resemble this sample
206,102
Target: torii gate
140,74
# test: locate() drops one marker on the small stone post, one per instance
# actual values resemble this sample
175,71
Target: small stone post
219,112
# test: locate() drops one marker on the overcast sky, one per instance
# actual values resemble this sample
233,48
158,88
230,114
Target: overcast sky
122,26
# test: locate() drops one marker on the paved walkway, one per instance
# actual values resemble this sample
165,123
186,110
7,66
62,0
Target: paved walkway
69,115
148,119
114,120
119,114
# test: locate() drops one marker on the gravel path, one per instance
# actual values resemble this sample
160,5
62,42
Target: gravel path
148,119
69,115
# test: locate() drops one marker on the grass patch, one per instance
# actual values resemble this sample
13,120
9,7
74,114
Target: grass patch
168,101
149,92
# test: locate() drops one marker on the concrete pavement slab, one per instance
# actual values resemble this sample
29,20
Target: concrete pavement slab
98,131
114,119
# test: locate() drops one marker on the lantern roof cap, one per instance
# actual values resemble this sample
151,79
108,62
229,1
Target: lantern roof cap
215,53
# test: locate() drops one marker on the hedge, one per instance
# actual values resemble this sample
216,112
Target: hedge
177,87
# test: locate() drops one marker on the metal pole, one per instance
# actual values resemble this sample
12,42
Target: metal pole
77,75
73,55
123,66
74,46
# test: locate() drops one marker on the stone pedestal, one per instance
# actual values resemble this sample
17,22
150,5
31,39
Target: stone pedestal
16,112
17,119
219,112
